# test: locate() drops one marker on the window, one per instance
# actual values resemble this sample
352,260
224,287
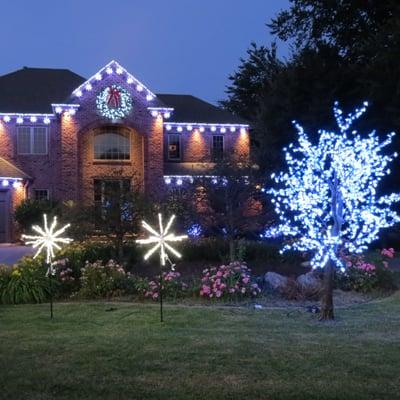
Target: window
113,201
41,194
217,147
112,144
174,147
32,140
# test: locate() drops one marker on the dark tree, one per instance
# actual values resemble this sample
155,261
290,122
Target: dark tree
231,203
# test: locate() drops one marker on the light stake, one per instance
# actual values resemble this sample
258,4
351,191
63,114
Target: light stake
160,240
47,240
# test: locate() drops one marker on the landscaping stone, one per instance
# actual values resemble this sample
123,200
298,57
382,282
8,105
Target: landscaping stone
309,281
275,281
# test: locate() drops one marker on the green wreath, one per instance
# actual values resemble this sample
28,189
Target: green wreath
114,102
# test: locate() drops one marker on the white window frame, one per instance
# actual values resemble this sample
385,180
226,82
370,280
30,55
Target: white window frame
31,140
116,131
180,147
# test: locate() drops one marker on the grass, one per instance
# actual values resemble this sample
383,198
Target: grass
213,353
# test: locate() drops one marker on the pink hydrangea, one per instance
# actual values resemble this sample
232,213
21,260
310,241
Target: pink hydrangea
228,280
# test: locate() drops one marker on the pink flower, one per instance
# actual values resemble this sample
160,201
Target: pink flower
388,252
246,280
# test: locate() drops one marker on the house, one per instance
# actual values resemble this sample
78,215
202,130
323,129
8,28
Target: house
64,137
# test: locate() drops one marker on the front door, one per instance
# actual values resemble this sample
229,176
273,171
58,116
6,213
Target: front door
4,215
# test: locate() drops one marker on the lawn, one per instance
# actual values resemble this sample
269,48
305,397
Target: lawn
121,351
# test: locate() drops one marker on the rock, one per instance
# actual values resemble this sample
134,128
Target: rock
309,281
275,281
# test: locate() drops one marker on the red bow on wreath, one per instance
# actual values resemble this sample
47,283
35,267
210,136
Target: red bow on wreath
113,98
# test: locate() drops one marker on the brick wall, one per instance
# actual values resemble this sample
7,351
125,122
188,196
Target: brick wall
196,146
68,170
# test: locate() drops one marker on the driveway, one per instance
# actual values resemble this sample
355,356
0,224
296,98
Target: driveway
11,253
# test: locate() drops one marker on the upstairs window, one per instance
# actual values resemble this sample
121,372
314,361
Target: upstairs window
217,147
174,147
112,144
32,140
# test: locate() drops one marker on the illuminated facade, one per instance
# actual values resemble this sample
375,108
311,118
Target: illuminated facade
63,137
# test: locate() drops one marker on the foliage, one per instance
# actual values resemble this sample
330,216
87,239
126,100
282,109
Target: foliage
365,274
78,253
30,212
100,280
24,283
228,281
173,286
232,205
342,50
64,274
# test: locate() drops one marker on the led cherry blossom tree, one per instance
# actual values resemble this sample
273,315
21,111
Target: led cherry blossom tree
327,200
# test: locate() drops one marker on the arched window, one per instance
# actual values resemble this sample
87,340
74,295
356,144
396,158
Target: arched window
112,143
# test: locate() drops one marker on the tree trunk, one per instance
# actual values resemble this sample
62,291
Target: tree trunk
120,248
232,250
327,297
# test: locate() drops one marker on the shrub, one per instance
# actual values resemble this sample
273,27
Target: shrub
67,282
100,279
24,283
78,253
173,286
228,281
30,212
366,274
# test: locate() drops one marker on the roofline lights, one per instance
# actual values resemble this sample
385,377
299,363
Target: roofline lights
109,69
222,128
69,108
20,118
164,111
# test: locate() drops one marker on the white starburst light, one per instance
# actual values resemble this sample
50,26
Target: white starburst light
48,238
161,239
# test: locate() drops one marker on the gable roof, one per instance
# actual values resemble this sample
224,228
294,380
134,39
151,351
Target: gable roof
33,90
8,170
192,109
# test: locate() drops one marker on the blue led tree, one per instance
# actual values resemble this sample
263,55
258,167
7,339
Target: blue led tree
327,200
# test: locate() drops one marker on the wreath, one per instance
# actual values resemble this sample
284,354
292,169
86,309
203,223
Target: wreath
114,102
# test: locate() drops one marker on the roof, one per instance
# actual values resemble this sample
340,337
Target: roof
33,90
192,109
8,170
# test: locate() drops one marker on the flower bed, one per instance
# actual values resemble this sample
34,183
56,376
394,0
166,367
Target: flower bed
228,281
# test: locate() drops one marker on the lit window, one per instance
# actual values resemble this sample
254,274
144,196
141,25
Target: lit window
217,147
32,140
174,147
112,144
41,194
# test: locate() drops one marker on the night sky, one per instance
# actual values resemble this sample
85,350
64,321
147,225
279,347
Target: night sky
173,46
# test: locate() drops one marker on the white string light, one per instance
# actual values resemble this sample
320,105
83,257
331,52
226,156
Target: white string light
327,199
48,238
161,240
